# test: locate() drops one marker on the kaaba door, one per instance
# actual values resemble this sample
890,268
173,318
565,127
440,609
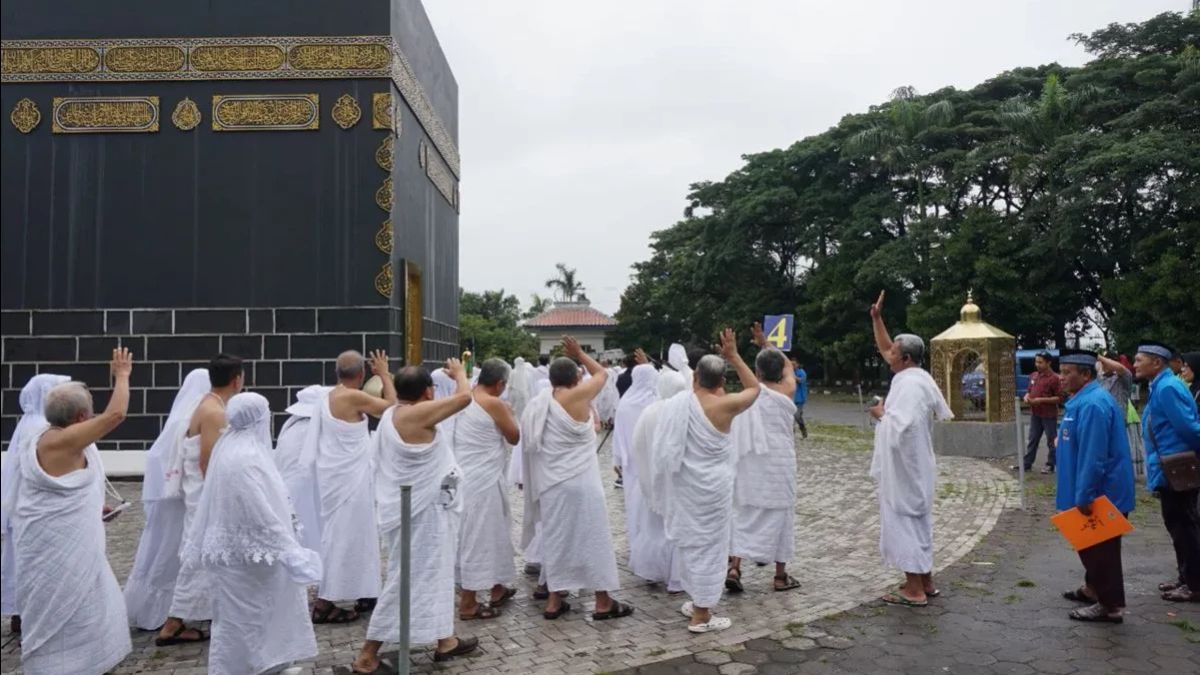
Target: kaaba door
413,314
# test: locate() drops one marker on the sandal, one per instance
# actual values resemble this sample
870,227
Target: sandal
333,614
1095,613
789,583
897,599
1181,594
733,584
615,612
928,594
714,624
503,599
563,608
178,639
1170,585
365,605
1078,595
543,593
482,611
464,646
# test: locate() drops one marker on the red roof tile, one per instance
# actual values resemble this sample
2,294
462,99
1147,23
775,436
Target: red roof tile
571,315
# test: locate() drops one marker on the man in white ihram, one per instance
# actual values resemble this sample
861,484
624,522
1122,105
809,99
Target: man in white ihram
32,396
245,538
299,468
764,493
693,463
411,449
485,548
72,610
564,498
903,465
349,534
150,588
641,393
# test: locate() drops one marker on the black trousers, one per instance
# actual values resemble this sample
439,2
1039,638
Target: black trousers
1181,515
1103,572
1037,427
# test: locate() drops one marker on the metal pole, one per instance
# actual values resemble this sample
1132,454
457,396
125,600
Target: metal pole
1020,429
402,659
862,406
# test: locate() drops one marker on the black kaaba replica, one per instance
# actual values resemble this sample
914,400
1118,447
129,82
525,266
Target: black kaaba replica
276,180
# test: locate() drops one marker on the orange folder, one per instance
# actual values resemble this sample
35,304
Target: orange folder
1083,531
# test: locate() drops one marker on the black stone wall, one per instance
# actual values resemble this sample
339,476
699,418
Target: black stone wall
286,349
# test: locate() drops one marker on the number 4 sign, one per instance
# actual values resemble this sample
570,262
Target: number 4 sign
778,329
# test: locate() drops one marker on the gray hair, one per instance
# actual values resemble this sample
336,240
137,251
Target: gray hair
65,403
710,371
493,371
563,372
770,363
911,346
350,364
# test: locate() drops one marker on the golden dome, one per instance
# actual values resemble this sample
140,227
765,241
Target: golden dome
970,311
971,325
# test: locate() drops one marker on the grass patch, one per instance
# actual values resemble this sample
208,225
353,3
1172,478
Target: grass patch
1025,583
1186,625
841,436
947,490
1012,599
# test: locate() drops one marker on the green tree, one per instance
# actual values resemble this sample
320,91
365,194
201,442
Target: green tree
488,323
565,286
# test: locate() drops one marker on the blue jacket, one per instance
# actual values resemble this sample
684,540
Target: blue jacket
1093,452
1170,424
801,396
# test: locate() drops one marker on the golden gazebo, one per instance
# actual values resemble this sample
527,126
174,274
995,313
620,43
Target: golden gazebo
973,363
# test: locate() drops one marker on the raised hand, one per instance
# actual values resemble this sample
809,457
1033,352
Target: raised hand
757,336
571,348
728,344
639,357
878,306
122,362
454,368
379,363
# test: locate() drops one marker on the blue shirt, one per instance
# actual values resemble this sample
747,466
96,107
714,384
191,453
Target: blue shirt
1170,424
1093,452
801,396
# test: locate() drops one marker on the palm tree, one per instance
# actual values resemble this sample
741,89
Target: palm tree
896,144
567,288
537,305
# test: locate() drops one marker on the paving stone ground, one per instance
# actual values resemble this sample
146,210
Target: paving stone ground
837,561
1000,612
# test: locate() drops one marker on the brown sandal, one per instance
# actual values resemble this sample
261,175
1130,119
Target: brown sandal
482,612
333,614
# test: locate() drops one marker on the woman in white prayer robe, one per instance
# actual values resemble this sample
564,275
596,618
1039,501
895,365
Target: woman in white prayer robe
151,583
72,610
641,393
296,461
903,463
31,398
563,493
651,555
245,537
764,493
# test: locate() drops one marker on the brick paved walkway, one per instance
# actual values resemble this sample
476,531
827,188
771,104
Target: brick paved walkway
837,560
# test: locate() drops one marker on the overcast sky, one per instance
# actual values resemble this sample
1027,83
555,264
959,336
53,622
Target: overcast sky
583,123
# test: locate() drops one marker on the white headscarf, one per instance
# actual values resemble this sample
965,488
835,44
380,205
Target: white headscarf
443,385
164,460
678,358
306,401
641,393
33,394
518,385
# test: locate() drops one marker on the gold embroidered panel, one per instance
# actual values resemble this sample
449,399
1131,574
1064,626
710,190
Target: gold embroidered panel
382,116
103,114
273,112
346,111
228,58
439,174
384,238
383,196
25,116
383,280
186,115
385,153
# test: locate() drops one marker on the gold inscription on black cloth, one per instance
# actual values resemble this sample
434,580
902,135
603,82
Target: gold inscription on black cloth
383,196
240,58
144,59
340,57
49,60
25,116
439,174
384,238
102,114
266,112
346,111
381,111
385,154
383,280
186,115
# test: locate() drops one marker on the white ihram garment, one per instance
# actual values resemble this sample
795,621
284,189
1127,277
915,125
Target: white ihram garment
694,464
192,599
245,539
641,393
297,464
516,472
72,611
345,478
31,397
564,499
904,469
485,548
436,510
764,493
150,588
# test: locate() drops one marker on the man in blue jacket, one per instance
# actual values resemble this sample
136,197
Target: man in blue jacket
1171,425
1093,462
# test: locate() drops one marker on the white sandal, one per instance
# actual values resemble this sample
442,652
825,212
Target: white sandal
686,609
714,624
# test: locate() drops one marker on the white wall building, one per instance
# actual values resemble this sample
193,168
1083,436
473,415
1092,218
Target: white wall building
578,319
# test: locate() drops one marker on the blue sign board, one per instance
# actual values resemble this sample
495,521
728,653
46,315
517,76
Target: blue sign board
778,329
